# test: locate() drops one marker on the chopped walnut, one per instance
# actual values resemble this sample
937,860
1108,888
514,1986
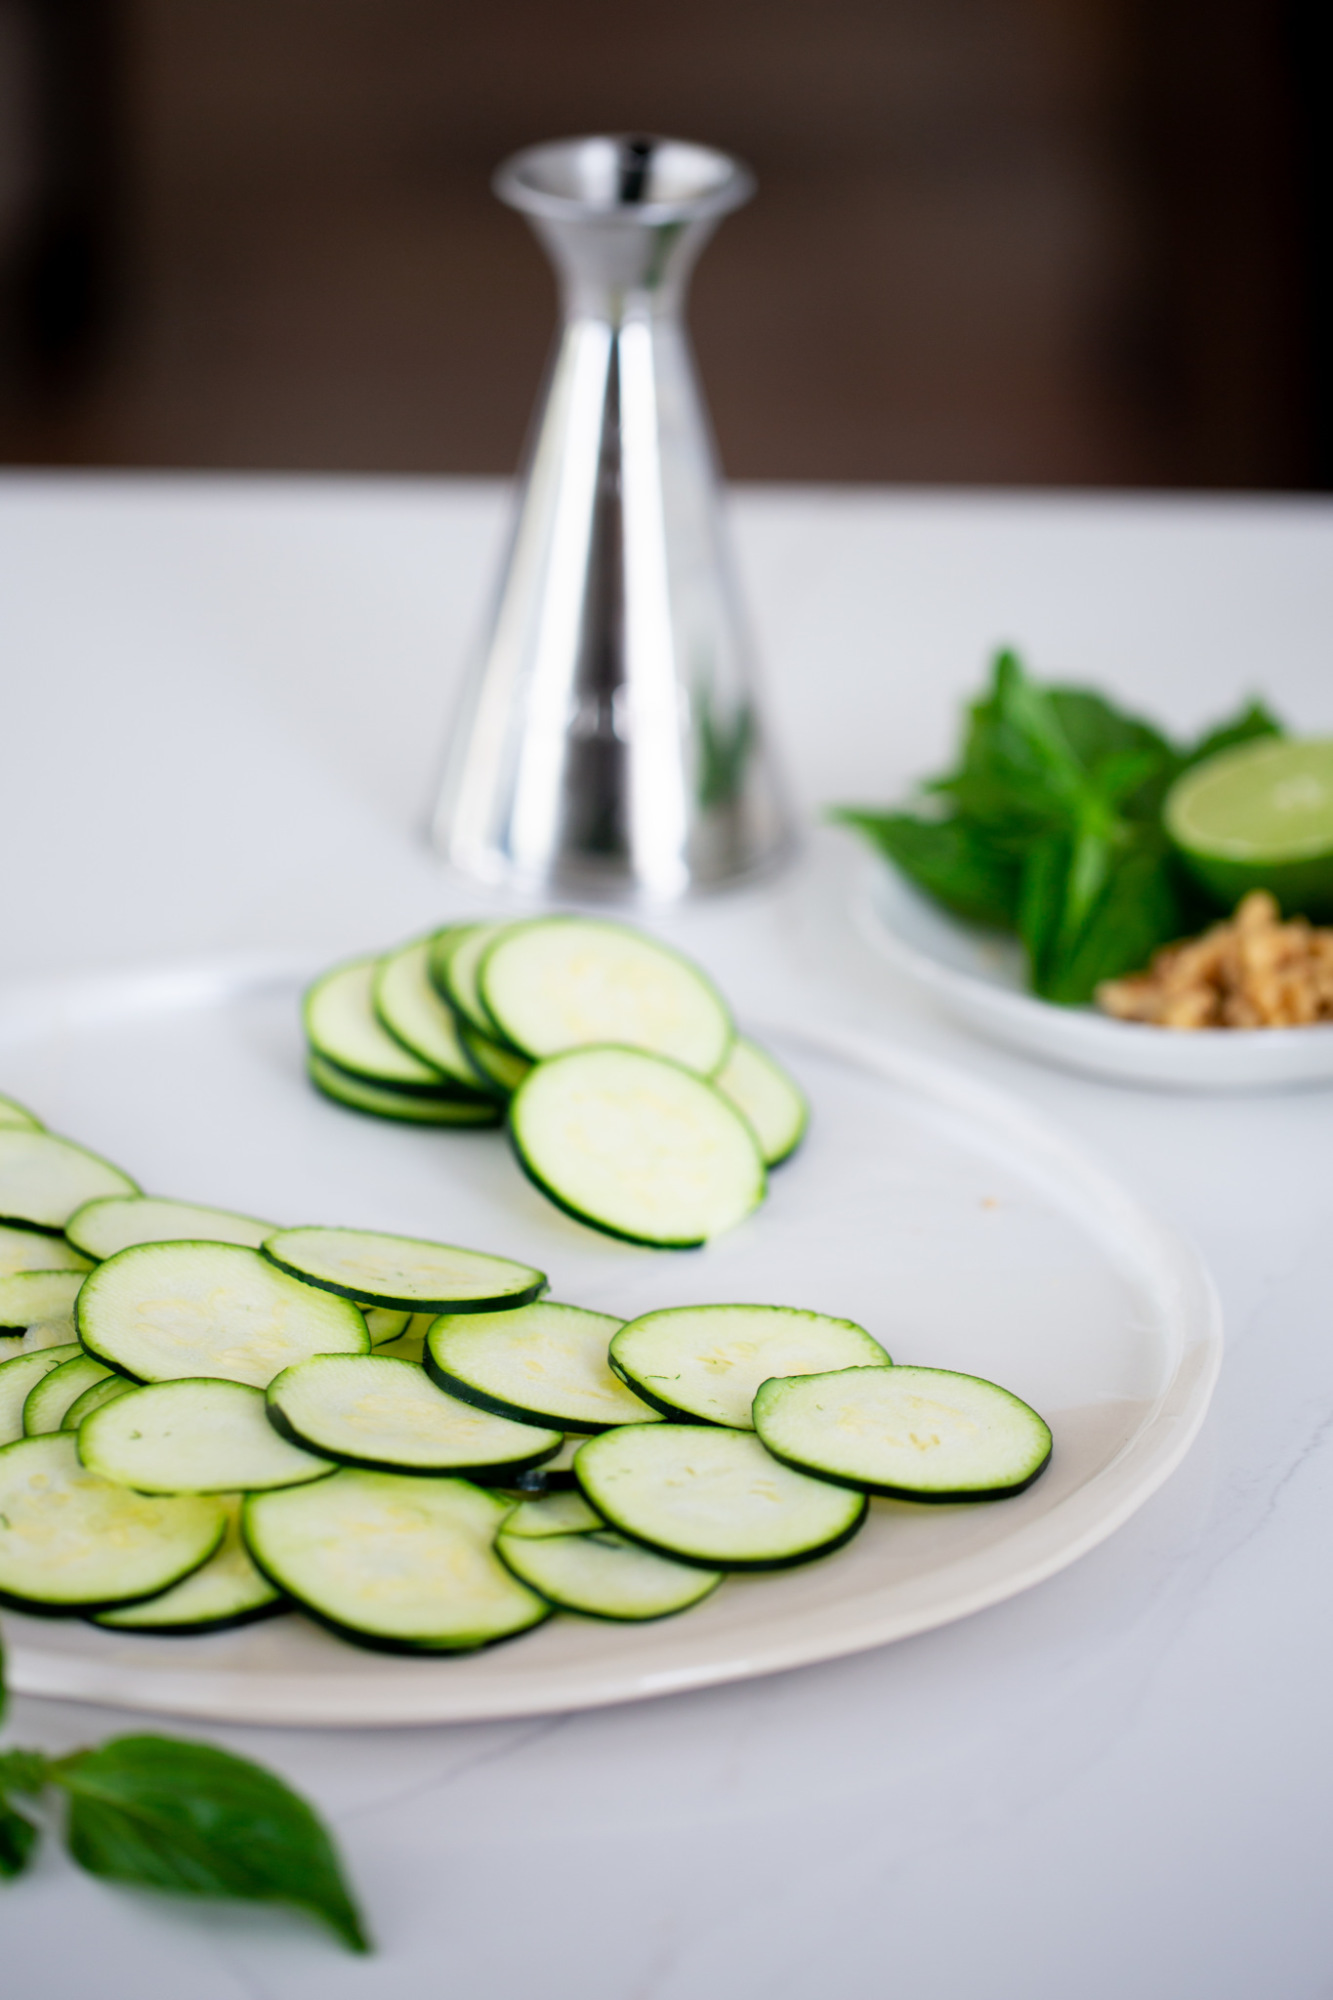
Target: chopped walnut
1253,971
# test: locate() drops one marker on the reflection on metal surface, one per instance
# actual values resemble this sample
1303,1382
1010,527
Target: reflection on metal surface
609,742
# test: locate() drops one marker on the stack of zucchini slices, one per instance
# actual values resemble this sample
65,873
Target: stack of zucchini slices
205,1418
631,1101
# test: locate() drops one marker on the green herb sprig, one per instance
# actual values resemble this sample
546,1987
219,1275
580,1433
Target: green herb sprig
162,1813
1050,828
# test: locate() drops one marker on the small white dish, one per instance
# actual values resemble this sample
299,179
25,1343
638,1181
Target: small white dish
959,1228
978,978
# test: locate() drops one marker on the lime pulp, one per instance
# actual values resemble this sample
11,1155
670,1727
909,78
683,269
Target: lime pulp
1260,817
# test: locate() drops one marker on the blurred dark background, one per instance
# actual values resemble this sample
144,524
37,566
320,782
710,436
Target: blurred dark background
1076,241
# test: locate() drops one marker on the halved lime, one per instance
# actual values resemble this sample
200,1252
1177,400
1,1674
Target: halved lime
1260,817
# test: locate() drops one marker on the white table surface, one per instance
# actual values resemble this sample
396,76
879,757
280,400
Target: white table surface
224,701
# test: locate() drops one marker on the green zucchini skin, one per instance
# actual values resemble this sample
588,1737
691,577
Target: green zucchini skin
502,1474
256,1614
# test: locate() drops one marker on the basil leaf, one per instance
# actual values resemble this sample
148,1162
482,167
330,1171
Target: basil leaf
951,860
1252,722
188,1817
18,1838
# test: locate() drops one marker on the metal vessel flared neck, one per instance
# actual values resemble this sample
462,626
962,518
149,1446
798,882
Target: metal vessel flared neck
621,213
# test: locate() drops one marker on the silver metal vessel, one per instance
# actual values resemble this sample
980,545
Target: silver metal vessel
609,741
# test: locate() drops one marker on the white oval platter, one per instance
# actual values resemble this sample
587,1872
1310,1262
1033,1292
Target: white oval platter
962,1231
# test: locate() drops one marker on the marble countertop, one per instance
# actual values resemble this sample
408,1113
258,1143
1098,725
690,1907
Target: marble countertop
224,702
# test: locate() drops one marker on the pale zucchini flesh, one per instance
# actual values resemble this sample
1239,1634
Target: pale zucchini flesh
408,1005
50,1399
545,1363
388,1415
73,1542
383,1101
555,1514
43,1180
166,1311
17,1115
601,1575
496,1068
227,1591
558,983
637,1147
763,1093
19,1376
342,1026
105,1391
392,1561
713,1497
189,1436
705,1363
37,1250
29,1296
118,1222
407,1272
909,1433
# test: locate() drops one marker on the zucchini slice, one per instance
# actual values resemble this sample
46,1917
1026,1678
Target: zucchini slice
70,1541
705,1363
119,1222
29,1296
403,1271
382,1101
496,1068
636,1146
910,1433
411,1343
555,1475
713,1497
50,1399
190,1436
227,1591
34,1250
762,1092
545,1364
383,1324
558,1514
557,983
19,1376
105,1391
388,1415
17,1115
164,1311
407,1565
43,1180
407,1004
601,1575
342,1026
455,958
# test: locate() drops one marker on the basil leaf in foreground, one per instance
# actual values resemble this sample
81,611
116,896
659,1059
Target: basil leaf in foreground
185,1816
25,1772
18,1838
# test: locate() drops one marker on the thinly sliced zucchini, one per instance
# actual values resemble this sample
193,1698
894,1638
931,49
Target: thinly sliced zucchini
200,1436
342,1026
496,1068
36,1250
557,983
119,1222
455,957
602,1575
19,1376
70,1541
43,1180
16,1115
372,1411
49,1333
164,1311
705,1363
105,1391
411,1343
29,1296
636,1146
911,1433
403,1271
407,1004
558,1514
49,1399
382,1101
390,1561
227,1591
713,1497
543,1364
557,1474
763,1092
383,1323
